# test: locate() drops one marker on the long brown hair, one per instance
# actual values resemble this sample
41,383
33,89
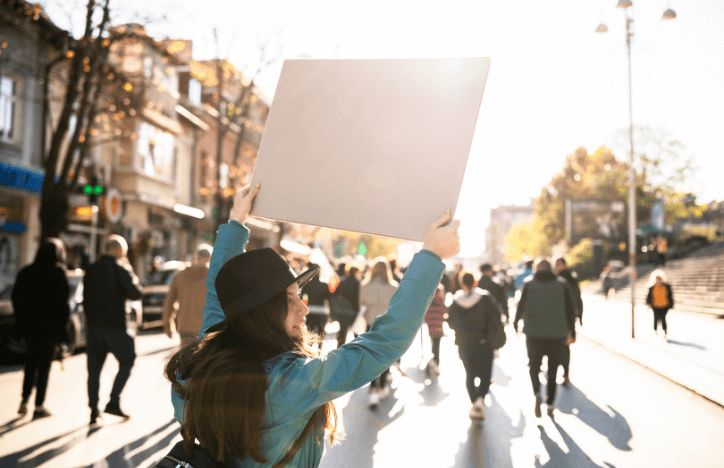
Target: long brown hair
224,384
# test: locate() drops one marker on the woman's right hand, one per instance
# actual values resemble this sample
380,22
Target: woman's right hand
443,240
243,200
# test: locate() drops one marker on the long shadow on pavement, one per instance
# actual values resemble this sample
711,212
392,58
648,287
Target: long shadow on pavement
687,344
489,443
363,436
575,457
17,459
614,427
119,457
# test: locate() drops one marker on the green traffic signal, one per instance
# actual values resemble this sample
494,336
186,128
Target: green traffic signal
90,189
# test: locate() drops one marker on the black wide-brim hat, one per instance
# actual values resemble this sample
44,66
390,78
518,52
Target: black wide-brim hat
251,279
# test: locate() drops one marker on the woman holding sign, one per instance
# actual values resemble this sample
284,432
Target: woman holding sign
252,391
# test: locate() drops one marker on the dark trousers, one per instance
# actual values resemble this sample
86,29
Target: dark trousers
37,368
316,323
342,333
101,341
436,348
537,348
660,316
565,358
381,380
478,362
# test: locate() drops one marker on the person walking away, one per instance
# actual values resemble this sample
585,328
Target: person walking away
571,280
434,318
547,311
183,307
40,303
375,294
253,392
318,298
107,285
345,303
487,283
469,316
660,298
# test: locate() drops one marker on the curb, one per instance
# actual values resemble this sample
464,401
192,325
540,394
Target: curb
655,371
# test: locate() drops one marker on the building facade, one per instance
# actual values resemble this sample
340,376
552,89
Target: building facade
502,219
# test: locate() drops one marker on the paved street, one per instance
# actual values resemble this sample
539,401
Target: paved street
616,413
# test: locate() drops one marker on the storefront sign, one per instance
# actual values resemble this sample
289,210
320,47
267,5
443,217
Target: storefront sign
20,178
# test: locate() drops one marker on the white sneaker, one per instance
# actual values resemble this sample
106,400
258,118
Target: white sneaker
480,404
477,411
374,399
550,411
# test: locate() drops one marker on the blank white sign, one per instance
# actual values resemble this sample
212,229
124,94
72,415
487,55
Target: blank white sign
374,146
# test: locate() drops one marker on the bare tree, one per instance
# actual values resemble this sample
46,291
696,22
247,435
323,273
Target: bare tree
235,116
91,90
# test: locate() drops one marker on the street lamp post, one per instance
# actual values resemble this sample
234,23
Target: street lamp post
632,247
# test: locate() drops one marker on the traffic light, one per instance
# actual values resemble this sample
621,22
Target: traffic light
93,191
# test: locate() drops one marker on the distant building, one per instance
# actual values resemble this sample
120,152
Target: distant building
502,219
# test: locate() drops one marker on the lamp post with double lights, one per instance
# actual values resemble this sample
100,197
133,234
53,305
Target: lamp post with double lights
668,14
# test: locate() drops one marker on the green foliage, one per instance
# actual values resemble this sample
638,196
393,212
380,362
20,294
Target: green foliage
526,239
596,176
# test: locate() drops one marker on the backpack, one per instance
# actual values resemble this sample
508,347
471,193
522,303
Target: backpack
178,457
494,333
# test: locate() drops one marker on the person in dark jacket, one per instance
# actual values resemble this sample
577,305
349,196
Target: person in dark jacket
571,280
547,309
487,283
107,285
317,297
468,315
660,298
346,303
40,303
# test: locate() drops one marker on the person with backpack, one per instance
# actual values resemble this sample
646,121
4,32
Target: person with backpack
253,391
549,317
475,316
40,304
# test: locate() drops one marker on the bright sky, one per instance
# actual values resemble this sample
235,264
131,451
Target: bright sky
554,84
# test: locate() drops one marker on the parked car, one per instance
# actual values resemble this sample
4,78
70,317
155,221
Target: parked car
14,347
155,290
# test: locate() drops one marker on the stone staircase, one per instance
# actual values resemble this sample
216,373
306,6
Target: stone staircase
697,280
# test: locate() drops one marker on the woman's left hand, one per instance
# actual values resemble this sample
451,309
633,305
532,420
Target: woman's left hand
243,201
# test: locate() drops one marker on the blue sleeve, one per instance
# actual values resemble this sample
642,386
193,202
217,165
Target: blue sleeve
306,384
231,241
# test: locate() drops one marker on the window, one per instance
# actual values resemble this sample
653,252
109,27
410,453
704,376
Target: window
9,110
156,148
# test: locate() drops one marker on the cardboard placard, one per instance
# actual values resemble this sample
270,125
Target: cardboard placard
374,146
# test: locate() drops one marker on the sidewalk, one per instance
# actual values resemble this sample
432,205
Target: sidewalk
693,355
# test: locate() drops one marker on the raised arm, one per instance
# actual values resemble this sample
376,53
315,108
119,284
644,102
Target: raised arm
312,382
231,241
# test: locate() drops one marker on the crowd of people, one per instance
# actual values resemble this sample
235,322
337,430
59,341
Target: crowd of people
262,326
